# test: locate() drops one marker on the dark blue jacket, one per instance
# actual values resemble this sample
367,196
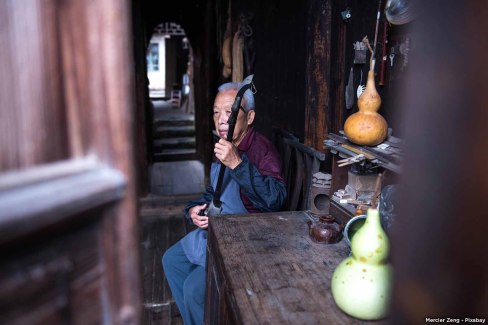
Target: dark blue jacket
259,175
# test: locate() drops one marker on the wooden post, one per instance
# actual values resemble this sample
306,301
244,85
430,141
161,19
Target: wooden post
317,98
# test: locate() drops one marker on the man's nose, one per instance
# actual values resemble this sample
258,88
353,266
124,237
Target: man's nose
223,119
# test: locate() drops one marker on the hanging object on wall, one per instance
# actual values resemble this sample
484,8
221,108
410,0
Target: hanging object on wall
399,12
360,51
361,87
238,57
227,57
247,32
404,51
227,48
350,91
346,15
384,44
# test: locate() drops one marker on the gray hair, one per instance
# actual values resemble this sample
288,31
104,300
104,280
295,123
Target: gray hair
248,102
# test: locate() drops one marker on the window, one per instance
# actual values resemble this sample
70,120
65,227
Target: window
153,57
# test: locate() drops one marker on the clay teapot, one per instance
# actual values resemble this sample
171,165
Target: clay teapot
326,230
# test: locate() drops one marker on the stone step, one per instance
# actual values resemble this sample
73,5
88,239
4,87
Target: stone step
174,131
173,143
175,155
174,121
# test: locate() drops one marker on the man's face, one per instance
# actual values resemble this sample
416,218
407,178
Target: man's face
221,112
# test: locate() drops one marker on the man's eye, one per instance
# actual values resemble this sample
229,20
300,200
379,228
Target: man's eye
215,112
228,113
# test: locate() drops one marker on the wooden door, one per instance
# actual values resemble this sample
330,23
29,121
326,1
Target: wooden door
68,227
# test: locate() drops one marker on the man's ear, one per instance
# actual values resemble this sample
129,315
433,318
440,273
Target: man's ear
250,117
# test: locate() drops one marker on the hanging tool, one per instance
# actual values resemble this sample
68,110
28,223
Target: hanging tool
381,82
378,14
392,56
350,91
361,87
215,206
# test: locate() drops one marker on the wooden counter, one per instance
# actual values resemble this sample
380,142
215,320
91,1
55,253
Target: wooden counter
265,269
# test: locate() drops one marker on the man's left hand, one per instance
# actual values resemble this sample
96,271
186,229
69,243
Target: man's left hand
227,153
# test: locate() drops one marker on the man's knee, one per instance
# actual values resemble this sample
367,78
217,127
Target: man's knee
168,259
194,288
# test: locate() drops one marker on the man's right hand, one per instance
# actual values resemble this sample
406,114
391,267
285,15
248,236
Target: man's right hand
198,220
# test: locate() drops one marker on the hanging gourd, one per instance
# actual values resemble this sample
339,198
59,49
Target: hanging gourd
238,57
367,127
227,49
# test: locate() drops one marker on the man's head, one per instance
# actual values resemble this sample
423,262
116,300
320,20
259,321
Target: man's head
222,109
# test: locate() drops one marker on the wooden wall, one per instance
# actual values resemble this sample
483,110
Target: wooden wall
303,54
439,240
279,43
68,227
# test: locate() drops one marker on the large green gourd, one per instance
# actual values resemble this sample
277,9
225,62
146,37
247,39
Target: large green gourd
361,283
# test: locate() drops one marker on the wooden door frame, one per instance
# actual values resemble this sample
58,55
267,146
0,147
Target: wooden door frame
81,98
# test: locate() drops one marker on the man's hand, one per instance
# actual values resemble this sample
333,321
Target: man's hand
198,220
227,153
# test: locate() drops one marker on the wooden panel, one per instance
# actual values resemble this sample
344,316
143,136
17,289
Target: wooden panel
144,111
98,80
66,92
317,101
32,119
338,70
57,281
50,195
440,235
273,271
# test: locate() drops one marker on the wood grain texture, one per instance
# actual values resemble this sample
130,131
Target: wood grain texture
98,78
41,204
32,117
318,87
60,280
268,271
440,254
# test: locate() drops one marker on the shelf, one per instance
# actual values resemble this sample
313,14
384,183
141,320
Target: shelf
388,154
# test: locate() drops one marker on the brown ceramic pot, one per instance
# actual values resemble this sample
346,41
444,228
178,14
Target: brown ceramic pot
326,230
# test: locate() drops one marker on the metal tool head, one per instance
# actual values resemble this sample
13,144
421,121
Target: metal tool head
213,210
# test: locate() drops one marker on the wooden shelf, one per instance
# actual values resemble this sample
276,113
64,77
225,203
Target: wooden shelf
388,154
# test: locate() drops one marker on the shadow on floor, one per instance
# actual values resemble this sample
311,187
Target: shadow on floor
177,177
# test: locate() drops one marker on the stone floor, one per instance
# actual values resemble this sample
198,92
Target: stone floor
177,177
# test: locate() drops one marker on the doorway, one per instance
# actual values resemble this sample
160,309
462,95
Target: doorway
169,59
175,175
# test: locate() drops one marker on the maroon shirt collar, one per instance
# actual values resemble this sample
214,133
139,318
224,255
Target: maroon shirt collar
247,140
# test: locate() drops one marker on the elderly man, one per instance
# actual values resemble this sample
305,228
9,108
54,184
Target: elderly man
252,183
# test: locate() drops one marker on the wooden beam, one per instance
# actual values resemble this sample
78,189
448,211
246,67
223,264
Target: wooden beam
317,99
53,194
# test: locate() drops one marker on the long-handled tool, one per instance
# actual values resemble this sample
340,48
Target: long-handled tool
215,206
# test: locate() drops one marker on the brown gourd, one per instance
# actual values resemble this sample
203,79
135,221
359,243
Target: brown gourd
367,127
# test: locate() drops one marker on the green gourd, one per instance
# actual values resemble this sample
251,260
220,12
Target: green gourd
361,283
